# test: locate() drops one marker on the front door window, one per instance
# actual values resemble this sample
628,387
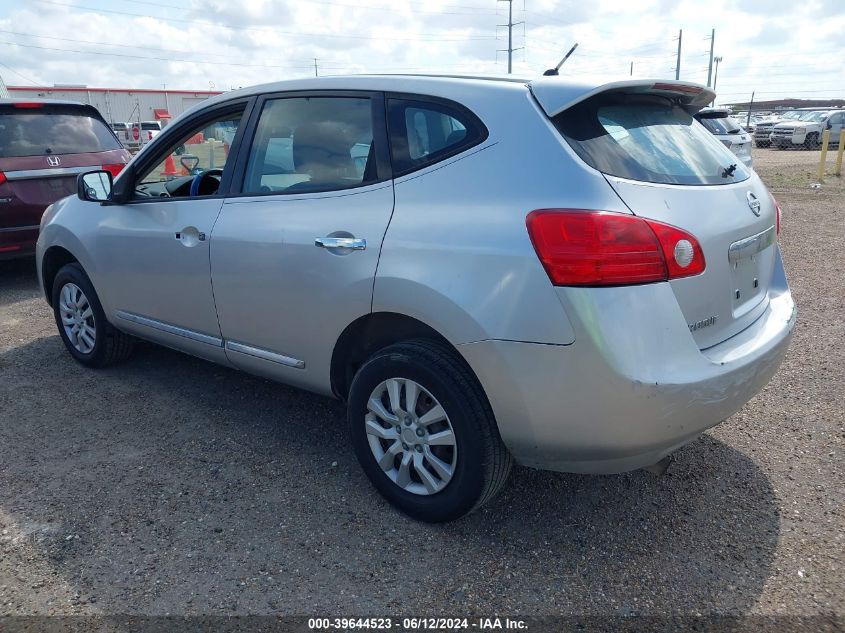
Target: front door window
193,166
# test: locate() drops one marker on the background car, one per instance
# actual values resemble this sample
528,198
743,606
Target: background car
44,145
806,131
121,131
722,125
763,127
143,132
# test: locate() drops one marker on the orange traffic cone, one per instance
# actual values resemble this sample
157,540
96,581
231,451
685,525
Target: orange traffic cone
169,167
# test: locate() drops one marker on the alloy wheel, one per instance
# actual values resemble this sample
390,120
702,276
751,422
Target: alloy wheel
410,436
77,318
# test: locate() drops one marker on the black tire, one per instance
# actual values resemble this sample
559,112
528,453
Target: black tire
812,141
483,463
110,345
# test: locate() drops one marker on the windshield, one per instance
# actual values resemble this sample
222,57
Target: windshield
721,125
649,140
811,116
792,114
33,133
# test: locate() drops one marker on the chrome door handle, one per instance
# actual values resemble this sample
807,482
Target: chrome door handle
352,243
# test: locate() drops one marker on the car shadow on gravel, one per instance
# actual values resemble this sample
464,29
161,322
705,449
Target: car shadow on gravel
170,485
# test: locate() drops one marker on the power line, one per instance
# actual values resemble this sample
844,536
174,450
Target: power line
425,37
338,4
149,48
32,81
166,59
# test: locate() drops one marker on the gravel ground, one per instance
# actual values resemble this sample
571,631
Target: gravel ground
168,485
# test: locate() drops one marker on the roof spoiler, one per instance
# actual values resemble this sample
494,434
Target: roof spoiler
556,94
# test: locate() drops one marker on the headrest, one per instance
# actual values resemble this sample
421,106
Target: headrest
322,148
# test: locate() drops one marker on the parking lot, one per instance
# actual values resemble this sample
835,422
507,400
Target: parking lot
168,485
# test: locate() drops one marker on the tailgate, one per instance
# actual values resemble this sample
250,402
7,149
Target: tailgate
666,166
738,248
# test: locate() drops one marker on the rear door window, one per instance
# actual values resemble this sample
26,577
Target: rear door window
43,131
648,140
425,132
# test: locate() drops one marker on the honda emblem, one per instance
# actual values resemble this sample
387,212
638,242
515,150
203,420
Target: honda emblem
54,161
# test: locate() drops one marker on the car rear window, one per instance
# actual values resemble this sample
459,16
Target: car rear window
151,126
649,140
34,132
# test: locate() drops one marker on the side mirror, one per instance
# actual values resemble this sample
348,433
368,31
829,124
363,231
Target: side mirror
94,186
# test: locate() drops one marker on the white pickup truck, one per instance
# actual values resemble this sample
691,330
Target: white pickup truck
806,131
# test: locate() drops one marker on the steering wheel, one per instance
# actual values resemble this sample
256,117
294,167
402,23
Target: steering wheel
200,178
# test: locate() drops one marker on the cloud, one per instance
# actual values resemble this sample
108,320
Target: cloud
196,43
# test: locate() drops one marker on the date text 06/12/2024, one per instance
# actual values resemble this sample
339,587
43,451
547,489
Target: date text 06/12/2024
417,624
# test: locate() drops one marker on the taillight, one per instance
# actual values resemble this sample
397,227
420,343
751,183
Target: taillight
579,247
114,169
2,177
27,105
149,136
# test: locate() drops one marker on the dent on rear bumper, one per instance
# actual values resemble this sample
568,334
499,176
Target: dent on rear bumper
632,388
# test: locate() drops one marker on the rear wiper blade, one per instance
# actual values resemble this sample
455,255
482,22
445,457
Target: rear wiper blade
729,171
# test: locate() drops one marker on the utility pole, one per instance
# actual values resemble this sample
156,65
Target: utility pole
750,108
510,49
716,74
710,65
678,61
632,69
315,67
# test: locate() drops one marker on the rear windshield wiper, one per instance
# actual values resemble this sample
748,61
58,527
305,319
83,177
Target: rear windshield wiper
729,171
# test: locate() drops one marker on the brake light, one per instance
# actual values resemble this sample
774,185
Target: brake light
114,169
580,247
149,136
28,104
777,214
2,177
692,90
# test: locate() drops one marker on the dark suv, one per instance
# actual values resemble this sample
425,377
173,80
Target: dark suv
44,145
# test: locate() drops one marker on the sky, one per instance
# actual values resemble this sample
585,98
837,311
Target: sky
777,48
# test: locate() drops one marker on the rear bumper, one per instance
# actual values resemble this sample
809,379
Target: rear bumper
633,387
17,241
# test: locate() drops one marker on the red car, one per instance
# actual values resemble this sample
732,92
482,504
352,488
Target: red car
44,145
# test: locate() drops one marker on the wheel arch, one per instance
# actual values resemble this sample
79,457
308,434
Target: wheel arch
51,263
372,332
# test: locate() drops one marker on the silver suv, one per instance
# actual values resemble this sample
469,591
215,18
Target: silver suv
571,276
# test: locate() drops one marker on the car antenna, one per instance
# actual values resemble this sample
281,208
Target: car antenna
553,72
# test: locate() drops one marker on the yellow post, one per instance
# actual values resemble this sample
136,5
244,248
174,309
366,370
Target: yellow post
823,157
838,171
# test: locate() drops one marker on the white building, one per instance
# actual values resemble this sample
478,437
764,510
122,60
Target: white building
120,104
